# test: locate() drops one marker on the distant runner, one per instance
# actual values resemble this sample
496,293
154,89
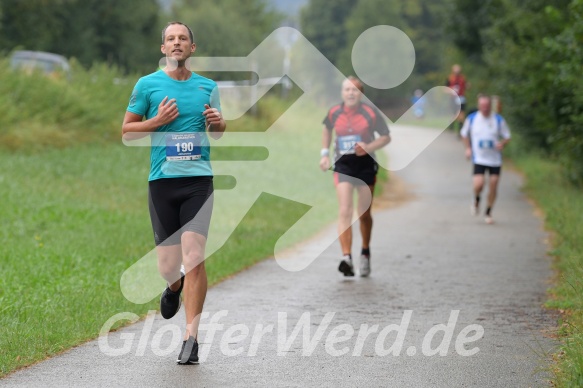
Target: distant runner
485,134
419,102
182,107
457,82
354,125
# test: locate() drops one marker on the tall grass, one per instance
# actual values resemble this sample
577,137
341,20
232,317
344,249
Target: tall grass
562,204
40,112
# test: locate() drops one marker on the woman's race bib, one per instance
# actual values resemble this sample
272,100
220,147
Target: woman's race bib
347,143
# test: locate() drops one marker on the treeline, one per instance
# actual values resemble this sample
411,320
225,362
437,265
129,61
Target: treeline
333,27
531,54
120,33
225,28
126,33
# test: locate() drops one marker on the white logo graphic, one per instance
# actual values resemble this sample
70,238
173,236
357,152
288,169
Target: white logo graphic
383,57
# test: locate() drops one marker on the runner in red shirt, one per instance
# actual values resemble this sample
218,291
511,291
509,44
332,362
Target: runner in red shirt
354,125
457,82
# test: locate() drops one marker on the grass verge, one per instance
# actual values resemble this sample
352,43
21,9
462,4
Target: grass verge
562,205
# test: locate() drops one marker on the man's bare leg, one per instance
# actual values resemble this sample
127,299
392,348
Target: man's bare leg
478,184
492,194
195,282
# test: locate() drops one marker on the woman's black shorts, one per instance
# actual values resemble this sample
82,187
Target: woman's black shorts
356,170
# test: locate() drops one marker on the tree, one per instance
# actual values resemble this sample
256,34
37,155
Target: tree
468,19
367,14
118,32
224,28
564,73
531,50
323,24
334,27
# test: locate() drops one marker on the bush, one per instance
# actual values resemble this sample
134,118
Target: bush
531,55
41,112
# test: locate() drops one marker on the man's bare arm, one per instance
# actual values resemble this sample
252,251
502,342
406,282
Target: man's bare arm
134,127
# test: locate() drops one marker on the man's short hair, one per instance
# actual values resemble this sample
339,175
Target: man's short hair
190,34
485,96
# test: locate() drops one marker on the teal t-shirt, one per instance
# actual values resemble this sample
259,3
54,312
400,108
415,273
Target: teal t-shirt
180,148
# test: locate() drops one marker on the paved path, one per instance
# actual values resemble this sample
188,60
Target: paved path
430,257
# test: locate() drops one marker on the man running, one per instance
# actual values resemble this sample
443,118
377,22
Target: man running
180,107
354,124
485,134
457,82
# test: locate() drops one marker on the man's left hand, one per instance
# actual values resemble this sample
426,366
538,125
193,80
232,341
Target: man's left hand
212,115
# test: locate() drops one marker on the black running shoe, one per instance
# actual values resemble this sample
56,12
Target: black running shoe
346,267
189,353
170,301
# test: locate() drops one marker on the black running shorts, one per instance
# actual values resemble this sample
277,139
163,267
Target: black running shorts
481,169
180,205
363,168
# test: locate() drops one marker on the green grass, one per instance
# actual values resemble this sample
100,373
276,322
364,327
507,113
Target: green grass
74,217
562,205
40,112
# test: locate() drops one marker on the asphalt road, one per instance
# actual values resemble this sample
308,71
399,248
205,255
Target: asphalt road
433,264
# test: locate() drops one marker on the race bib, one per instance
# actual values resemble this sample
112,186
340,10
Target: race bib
486,144
183,146
346,144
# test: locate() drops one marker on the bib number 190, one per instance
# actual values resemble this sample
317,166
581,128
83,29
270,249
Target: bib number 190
183,146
